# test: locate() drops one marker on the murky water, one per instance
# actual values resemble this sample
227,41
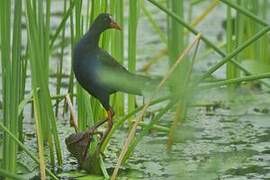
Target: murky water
228,142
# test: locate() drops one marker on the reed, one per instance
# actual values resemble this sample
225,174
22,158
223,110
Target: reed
39,61
72,42
176,43
132,36
117,49
60,64
231,71
11,73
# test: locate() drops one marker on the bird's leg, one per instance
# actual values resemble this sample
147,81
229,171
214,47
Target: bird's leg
110,114
93,128
88,136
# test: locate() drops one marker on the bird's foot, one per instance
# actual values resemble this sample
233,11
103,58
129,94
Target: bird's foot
106,133
78,144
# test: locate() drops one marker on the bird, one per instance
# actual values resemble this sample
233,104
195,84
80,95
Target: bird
99,73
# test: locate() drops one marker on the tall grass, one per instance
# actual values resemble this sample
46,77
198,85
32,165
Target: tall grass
231,70
117,49
38,40
59,73
11,73
176,43
132,34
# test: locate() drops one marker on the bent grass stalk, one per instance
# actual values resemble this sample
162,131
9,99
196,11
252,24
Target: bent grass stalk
74,120
7,174
236,80
27,151
206,12
147,104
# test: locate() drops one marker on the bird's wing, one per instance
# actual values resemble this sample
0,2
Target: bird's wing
109,62
115,76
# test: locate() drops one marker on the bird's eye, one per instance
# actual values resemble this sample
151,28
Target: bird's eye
109,18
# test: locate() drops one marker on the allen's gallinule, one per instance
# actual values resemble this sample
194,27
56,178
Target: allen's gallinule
99,73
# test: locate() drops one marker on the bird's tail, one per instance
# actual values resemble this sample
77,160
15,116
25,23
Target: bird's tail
138,84
130,83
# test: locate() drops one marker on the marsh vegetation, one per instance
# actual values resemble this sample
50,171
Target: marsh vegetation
207,118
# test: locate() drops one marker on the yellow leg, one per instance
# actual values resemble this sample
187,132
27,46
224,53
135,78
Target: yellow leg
110,114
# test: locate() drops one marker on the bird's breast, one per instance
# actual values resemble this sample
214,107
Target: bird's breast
86,68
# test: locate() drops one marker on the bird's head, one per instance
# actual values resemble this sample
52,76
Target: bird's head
104,21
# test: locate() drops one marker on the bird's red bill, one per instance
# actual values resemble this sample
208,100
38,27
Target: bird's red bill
115,25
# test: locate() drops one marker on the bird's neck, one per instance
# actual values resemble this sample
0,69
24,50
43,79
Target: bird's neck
92,37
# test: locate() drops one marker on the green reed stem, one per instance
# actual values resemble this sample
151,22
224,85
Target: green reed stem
132,36
237,80
265,46
82,97
38,53
175,31
117,48
11,75
230,69
60,65
5,59
16,77
72,41
96,8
